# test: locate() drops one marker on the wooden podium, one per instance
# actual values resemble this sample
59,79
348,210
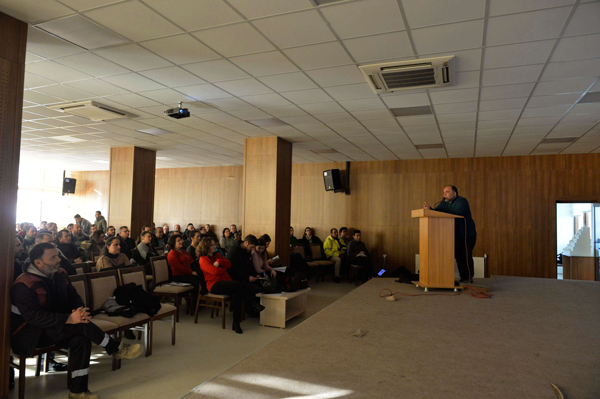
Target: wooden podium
436,249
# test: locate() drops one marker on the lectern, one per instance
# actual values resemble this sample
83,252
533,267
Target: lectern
436,249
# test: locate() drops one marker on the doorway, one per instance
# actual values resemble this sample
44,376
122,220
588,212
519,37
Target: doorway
577,240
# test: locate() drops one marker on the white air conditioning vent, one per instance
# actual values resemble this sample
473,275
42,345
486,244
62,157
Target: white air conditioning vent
90,110
407,75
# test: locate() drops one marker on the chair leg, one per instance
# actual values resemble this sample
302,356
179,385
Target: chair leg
196,312
177,305
224,313
22,364
148,334
173,329
38,365
46,363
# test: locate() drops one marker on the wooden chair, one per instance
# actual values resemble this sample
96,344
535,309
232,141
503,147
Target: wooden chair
354,269
96,256
317,258
83,267
137,275
299,249
160,250
213,301
38,353
101,286
160,277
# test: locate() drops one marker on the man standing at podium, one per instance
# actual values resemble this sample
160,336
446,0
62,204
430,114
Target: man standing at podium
463,248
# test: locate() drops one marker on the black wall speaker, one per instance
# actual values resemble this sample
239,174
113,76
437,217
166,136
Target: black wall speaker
332,180
69,185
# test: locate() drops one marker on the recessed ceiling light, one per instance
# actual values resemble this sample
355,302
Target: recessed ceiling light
559,140
325,151
411,111
81,32
267,122
154,131
429,146
68,138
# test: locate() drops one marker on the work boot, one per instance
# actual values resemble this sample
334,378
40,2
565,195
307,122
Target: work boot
127,351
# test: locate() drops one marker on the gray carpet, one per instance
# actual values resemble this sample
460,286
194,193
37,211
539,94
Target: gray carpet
532,333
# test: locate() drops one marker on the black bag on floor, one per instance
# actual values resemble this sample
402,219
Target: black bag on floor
132,295
405,276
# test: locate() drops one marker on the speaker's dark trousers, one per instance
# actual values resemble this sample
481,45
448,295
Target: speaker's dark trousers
463,255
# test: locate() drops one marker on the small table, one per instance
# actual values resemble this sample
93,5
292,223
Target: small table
279,308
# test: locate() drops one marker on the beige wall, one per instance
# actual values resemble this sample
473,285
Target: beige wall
512,200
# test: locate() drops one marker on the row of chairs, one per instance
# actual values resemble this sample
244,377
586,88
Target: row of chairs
317,262
94,289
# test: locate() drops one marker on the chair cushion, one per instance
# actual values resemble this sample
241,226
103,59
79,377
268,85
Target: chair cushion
105,325
164,309
312,264
324,262
171,290
123,321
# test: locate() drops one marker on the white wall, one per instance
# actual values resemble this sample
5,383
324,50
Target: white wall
565,214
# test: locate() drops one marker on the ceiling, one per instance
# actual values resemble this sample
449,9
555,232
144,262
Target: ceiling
522,69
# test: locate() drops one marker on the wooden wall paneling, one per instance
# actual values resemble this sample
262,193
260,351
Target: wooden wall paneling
121,187
12,73
92,193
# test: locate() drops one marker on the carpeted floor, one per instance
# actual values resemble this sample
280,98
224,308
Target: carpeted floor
532,333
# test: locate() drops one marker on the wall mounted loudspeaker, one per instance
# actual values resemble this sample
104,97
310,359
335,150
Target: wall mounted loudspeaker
69,185
332,180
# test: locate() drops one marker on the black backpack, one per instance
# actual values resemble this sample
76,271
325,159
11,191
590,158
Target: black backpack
134,296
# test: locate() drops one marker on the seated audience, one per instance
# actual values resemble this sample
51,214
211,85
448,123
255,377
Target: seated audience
234,230
78,236
166,232
195,240
64,262
127,243
18,254
259,259
47,310
344,236
43,225
227,240
94,228
29,239
359,255
112,258
86,226
308,239
161,238
177,229
335,251
96,245
52,228
293,240
23,227
218,281
240,257
146,251
69,250
100,221
180,262
111,231
210,233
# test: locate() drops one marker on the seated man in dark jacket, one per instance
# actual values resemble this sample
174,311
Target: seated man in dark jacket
69,250
358,254
46,310
127,243
145,251
240,256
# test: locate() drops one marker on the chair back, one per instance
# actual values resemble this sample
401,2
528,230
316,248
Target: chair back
160,270
96,256
299,249
160,250
133,275
82,268
79,282
316,252
101,286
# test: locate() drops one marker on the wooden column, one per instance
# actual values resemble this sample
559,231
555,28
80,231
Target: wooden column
132,180
268,191
12,73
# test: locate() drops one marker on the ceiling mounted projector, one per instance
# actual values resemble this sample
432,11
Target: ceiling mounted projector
178,113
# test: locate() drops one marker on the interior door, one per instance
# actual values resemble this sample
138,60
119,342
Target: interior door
596,237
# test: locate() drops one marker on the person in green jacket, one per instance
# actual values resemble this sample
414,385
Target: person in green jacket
335,250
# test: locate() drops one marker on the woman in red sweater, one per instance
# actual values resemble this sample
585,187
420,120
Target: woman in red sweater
215,266
180,262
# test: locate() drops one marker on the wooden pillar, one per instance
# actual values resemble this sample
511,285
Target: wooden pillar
132,179
268,191
12,73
